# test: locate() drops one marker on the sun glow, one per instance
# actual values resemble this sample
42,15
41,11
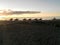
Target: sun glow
2,17
21,16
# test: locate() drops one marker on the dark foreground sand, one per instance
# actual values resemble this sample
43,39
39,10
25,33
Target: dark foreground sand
30,33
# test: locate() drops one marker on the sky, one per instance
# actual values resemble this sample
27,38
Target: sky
39,5
46,7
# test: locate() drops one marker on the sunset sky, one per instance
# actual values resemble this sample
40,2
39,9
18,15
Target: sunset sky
47,7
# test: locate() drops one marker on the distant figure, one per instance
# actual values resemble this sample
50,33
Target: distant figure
11,19
40,19
24,20
35,19
54,18
16,20
29,20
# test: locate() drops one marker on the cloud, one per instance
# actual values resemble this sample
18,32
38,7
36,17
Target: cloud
10,12
24,12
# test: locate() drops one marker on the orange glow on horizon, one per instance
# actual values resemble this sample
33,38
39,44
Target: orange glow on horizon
7,17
